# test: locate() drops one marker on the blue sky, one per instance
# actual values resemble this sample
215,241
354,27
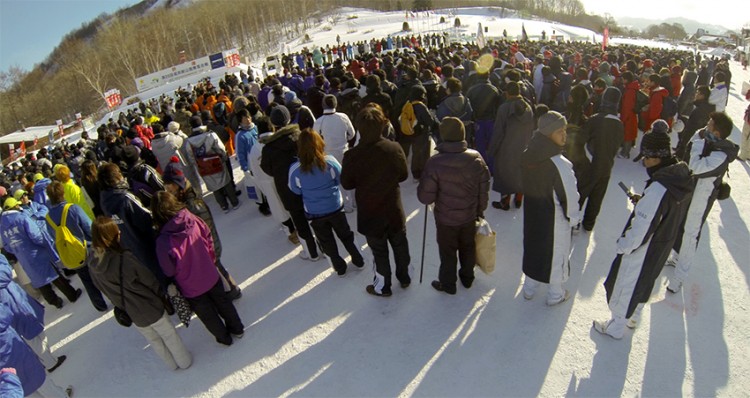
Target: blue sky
31,29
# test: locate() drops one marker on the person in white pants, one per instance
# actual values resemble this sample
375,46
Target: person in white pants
710,153
167,343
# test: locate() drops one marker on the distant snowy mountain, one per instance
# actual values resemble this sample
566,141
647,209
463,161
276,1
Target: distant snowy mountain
690,25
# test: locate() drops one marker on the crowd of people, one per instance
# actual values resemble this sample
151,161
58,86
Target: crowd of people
539,123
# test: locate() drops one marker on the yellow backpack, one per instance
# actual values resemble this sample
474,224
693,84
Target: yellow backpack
71,250
408,119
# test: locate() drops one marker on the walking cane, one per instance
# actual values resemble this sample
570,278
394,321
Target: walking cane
424,236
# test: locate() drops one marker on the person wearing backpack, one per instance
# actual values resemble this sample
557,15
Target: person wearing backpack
71,236
709,154
210,158
416,123
23,238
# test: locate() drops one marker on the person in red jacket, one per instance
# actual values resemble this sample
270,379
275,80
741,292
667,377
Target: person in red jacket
628,113
676,78
657,94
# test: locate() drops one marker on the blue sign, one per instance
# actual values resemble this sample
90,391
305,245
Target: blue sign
217,60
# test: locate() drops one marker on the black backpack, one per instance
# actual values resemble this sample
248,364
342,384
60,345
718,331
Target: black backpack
669,108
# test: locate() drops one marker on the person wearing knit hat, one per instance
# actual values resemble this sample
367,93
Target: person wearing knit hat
173,127
604,134
550,209
173,173
457,181
659,127
648,236
709,154
280,116
38,176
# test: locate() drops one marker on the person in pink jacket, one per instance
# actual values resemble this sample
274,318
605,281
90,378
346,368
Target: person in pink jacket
186,254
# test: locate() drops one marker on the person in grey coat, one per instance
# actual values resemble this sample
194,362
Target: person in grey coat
131,287
210,160
514,125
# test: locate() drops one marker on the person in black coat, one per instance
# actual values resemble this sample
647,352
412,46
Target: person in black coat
376,95
134,220
279,152
314,97
698,119
602,135
484,99
374,168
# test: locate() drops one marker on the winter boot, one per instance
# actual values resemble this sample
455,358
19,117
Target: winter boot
614,328
503,204
636,318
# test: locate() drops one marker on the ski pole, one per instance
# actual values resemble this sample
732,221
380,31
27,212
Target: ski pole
424,236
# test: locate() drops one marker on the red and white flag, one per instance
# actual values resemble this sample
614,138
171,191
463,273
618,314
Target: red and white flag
605,39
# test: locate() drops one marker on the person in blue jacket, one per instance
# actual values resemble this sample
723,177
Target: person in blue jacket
15,353
40,189
23,238
246,138
316,177
28,319
10,384
79,224
37,213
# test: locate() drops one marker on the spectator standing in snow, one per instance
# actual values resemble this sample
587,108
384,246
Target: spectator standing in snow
210,160
132,288
710,153
644,245
28,317
550,209
513,126
186,253
279,153
176,183
336,130
134,220
80,226
22,237
457,181
316,177
602,136
720,92
380,214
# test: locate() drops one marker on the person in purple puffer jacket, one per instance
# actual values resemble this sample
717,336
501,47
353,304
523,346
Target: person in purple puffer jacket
186,253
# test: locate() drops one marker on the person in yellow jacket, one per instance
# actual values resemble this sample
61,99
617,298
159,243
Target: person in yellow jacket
73,193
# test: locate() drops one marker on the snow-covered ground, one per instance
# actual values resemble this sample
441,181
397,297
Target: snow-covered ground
310,333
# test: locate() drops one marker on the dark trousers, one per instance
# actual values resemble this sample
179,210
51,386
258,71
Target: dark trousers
400,246
97,300
420,145
226,192
304,231
215,309
63,285
325,227
595,198
452,239
289,224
